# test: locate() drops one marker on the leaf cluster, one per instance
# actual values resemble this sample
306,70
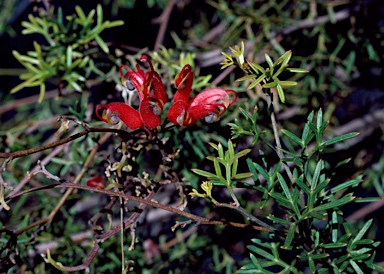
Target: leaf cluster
68,53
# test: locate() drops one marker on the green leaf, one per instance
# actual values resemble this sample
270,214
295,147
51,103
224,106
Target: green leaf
252,169
241,176
203,173
69,56
292,136
284,186
302,186
319,121
101,43
217,167
220,150
261,252
80,14
356,267
290,236
278,220
257,81
287,83
334,245
316,175
297,70
242,153
341,138
116,23
269,61
368,200
280,91
347,199
256,67
351,183
246,77
270,85
231,150
42,92
363,230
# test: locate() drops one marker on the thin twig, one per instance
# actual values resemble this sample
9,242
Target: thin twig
163,19
22,153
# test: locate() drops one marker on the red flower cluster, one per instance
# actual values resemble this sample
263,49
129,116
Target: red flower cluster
211,103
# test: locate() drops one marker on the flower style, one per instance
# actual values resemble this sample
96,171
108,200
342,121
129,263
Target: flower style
211,103
152,97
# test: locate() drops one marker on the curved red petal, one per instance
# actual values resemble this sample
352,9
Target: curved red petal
128,115
183,83
147,113
214,96
96,182
177,113
137,80
200,111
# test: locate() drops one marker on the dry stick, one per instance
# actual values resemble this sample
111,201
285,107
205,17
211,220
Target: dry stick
163,19
215,55
131,220
69,191
196,218
22,153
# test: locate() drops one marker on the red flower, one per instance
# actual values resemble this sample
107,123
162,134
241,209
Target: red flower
210,104
151,94
150,89
96,182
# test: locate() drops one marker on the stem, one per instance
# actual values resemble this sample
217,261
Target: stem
249,216
276,134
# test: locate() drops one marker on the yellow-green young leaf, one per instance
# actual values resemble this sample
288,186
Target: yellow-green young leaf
234,166
101,43
213,145
42,92
203,173
246,77
90,15
287,83
231,149
242,153
99,15
114,24
256,67
241,176
37,49
269,61
69,56
287,56
270,85
217,167
220,150
226,55
297,70
80,13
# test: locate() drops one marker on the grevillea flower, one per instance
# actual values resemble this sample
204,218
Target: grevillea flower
150,90
96,182
151,94
211,103
113,113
